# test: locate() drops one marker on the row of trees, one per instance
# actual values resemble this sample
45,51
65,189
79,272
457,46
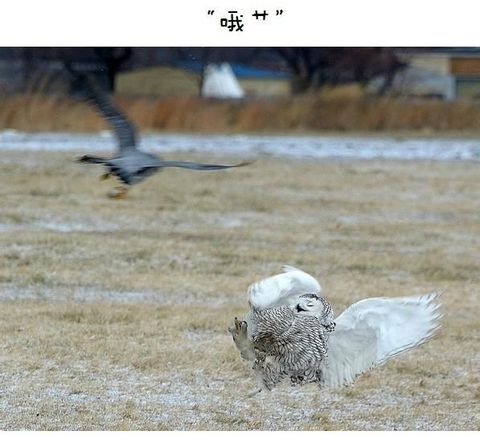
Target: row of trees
313,67
309,67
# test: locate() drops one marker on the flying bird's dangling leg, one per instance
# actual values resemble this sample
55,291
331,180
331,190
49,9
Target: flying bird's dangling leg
120,193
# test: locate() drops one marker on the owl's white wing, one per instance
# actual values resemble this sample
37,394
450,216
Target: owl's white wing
281,289
371,331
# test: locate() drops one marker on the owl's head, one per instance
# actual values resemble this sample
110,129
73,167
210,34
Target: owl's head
309,304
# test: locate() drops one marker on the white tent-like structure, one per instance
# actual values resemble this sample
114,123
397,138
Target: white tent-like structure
220,82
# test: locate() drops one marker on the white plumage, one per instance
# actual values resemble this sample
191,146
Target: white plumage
371,331
366,335
282,289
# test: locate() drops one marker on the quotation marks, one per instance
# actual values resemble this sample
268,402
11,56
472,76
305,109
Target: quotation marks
234,21
257,15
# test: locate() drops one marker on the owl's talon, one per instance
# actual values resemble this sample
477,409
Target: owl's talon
243,327
239,330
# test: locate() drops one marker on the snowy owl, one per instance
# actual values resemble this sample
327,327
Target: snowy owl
290,331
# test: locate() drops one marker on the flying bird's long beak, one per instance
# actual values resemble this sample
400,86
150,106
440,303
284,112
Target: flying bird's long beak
245,163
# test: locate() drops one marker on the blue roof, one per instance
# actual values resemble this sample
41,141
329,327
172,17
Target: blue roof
240,70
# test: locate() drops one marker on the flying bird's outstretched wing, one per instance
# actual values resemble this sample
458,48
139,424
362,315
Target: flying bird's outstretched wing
193,165
122,127
281,289
371,331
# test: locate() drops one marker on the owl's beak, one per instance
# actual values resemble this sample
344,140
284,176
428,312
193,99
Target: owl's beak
299,308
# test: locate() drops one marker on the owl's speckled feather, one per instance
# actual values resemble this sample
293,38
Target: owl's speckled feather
290,344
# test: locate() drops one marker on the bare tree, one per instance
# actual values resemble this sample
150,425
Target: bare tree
309,67
113,58
306,65
313,67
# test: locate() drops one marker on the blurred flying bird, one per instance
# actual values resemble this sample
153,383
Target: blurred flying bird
290,331
129,164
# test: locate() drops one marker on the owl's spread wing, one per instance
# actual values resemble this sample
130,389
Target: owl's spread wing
371,331
281,289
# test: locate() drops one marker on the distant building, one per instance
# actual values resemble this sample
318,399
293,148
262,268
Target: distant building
447,73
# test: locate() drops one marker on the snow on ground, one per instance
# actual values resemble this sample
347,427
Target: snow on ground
250,145
115,314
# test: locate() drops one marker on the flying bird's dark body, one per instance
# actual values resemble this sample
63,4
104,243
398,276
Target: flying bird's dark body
130,164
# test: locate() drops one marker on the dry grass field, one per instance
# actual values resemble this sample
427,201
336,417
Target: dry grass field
329,110
114,314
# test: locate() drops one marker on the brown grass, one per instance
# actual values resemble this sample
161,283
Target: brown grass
113,314
326,111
